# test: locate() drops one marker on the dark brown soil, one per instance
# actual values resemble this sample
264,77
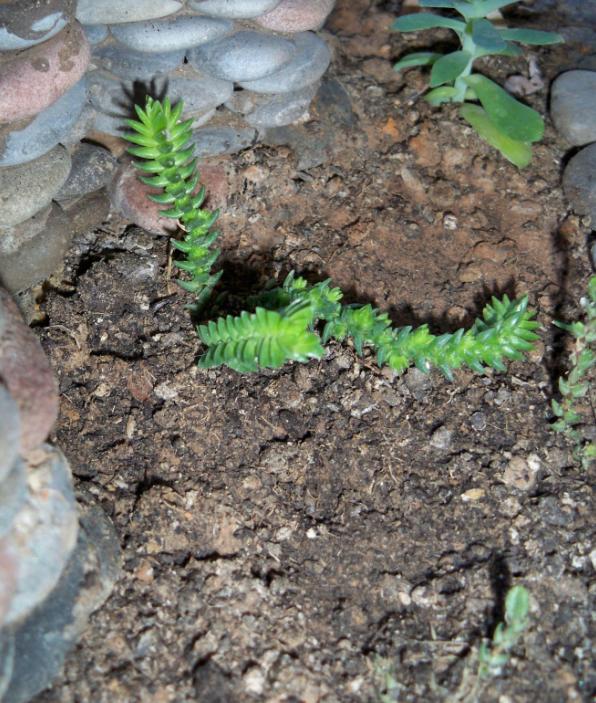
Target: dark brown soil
287,535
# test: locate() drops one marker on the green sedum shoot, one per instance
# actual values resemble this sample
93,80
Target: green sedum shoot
577,385
499,119
161,142
294,322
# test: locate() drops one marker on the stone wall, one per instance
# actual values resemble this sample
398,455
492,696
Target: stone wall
73,70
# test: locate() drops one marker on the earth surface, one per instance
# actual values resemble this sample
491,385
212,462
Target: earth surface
310,533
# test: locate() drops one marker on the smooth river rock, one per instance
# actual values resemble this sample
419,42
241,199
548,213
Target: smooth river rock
136,65
182,32
579,182
244,56
25,23
296,15
28,188
573,106
116,11
10,432
32,251
92,168
26,373
234,9
27,140
35,78
307,66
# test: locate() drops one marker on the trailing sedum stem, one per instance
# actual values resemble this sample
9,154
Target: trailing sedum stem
283,326
282,329
162,143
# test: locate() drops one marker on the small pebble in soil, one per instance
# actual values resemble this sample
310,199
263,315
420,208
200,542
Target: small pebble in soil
25,24
117,11
478,421
521,472
245,56
573,106
579,182
26,373
441,438
418,383
181,32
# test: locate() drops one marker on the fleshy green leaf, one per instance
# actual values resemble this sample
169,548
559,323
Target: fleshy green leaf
531,36
449,67
419,58
486,36
517,604
426,20
444,4
519,153
443,94
509,116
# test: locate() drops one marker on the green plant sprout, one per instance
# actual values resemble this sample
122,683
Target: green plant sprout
500,119
284,324
577,384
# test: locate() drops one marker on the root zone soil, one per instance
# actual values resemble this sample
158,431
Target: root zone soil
286,535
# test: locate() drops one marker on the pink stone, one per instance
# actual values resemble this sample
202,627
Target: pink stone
35,78
129,196
26,372
296,15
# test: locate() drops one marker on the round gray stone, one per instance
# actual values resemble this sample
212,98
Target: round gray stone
33,250
10,428
28,188
25,23
235,9
116,11
96,33
213,141
13,494
166,35
579,182
41,642
573,106
244,56
114,102
283,109
43,532
310,61
92,168
136,65
50,127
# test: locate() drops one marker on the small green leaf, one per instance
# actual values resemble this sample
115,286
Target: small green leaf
444,4
517,604
486,36
519,153
426,20
419,58
531,36
444,94
483,9
449,67
511,118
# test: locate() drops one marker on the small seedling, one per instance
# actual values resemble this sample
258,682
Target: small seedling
284,325
493,656
577,385
500,119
